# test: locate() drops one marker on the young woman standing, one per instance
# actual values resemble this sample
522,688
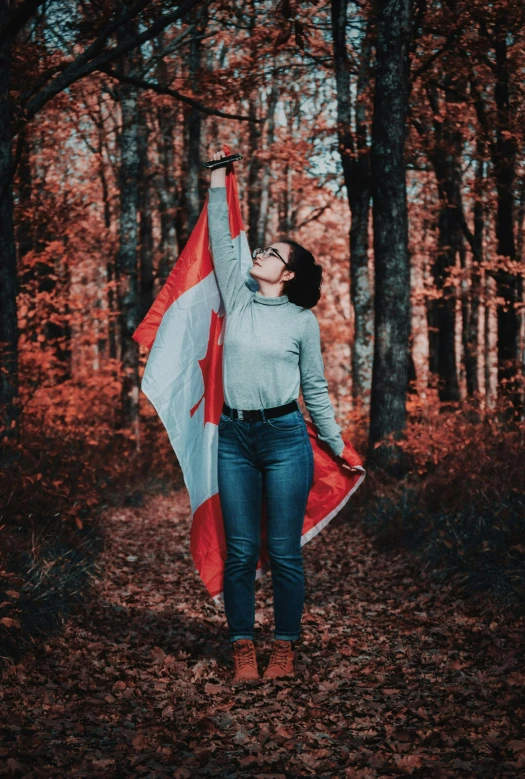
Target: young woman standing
271,348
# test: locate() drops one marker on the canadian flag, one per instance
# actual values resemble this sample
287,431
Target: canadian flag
184,329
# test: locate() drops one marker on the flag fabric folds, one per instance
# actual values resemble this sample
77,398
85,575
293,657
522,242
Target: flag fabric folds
184,330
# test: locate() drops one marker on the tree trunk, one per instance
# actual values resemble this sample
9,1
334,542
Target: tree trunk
9,410
194,189
259,238
127,260
254,171
168,194
503,149
505,170
521,258
255,135
392,268
146,219
110,261
285,201
473,300
446,160
490,344
355,158
24,221
286,212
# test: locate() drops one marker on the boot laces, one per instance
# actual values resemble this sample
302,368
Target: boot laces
244,653
280,654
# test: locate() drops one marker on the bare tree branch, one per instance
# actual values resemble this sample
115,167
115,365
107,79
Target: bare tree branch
313,216
430,61
162,90
87,62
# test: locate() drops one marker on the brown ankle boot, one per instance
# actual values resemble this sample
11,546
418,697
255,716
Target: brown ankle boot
244,660
282,660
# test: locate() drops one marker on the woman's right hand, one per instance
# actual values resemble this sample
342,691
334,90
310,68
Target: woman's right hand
218,176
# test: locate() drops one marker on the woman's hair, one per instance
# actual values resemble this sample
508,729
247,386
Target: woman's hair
305,287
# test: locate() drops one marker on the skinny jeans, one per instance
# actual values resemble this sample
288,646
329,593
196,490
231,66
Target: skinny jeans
271,457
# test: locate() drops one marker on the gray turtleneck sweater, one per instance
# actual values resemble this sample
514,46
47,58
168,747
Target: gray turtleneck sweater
271,346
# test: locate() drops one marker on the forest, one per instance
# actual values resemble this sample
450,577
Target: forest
387,137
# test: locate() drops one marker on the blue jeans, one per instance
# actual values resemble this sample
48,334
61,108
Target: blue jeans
271,456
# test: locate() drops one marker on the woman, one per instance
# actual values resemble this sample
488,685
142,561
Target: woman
271,348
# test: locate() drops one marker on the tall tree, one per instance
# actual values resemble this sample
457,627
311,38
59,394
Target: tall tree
472,299
195,185
167,191
146,215
8,278
446,157
392,268
127,259
260,225
256,129
355,158
500,26
505,170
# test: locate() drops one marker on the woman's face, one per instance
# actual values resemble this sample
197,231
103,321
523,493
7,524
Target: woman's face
269,267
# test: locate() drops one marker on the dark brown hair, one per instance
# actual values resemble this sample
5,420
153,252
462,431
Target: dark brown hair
305,287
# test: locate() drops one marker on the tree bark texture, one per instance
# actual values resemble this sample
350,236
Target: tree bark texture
167,191
446,156
195,184
392,269
9,410
472,303
146,217
127,260
259,238
355,158
505,170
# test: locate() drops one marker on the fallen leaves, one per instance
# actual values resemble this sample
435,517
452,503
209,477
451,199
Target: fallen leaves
396,675
10,622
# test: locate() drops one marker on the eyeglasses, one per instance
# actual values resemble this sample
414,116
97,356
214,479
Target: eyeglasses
269,250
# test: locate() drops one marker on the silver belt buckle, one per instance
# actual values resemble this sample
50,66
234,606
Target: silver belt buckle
239,414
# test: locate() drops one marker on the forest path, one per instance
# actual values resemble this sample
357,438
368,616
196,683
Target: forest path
396,675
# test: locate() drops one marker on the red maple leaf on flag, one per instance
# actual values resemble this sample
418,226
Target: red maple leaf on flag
211,368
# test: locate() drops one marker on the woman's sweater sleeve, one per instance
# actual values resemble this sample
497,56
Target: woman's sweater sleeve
231,282
315,386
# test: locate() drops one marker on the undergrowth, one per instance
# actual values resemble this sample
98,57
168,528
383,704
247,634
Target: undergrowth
54,485
461,506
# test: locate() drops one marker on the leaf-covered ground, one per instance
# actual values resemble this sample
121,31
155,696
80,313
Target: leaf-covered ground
396,674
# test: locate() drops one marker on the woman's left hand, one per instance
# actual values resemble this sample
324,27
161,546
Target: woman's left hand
346,466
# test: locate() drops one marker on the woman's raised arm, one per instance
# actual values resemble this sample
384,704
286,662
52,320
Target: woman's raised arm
232,284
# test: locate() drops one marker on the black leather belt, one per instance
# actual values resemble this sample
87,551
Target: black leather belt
254,415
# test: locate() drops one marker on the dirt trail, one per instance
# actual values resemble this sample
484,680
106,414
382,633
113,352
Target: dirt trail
396,675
